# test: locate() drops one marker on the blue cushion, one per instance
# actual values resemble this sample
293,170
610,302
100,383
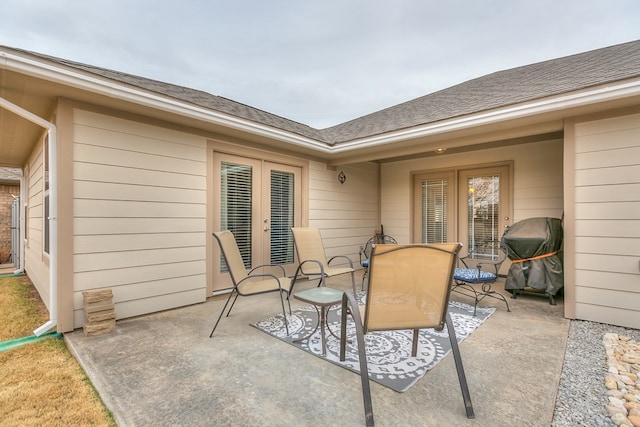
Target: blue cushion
472,275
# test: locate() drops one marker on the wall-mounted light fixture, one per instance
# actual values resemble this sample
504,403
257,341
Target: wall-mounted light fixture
342,177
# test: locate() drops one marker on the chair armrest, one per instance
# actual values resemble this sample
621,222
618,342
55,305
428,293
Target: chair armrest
268,266
341,256
300,270
266,275
301,267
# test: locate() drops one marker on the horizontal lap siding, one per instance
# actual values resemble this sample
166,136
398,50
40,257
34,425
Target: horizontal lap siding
139,214
538,181
346,214
607,226
36,261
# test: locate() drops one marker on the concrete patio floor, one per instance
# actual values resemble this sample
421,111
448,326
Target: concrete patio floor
163,369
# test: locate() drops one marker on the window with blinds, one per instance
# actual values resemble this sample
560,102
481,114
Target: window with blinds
434,211
483,204
235,207
282,217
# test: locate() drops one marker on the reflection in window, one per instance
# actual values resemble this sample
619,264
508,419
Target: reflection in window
483,208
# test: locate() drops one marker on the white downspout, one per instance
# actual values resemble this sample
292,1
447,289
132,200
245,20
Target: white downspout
23,222
22,197
53,212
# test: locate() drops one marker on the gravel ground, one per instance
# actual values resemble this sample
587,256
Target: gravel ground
582,396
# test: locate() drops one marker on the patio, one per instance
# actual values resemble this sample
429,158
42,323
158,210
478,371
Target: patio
163,369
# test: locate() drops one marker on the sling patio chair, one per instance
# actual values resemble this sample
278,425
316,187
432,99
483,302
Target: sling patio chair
408,289
365,251
249,282
312,260
480,272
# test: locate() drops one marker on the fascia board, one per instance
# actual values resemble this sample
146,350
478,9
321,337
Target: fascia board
572,100
123,92
126,93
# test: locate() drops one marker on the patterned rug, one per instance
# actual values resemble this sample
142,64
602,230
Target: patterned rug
388,352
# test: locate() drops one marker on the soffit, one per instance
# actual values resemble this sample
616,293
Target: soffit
40,96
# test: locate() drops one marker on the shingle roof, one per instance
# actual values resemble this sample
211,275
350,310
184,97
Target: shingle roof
496,90
500,89
10,175
193,96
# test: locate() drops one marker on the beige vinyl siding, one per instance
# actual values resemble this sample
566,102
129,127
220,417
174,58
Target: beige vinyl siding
36,261
537,181
396,193
346,214
607,220
139,207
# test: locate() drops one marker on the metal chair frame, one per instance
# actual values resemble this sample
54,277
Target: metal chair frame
312,259
261,283
365,251
392,277
480,271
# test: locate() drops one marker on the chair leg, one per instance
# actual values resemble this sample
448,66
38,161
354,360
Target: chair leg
353,281
459,368
471,292
488,292
293,282
284,313
364,277
232,304
288,301
414,343
349,301
221,313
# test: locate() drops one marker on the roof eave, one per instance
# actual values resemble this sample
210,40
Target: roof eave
105,87
127,93
572,100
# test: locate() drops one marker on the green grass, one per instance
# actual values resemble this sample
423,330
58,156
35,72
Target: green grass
40,383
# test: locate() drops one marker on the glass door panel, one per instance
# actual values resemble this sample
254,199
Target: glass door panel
259,202
485,207
434,208
236,201
283,197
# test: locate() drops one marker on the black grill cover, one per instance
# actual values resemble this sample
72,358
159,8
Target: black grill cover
531,238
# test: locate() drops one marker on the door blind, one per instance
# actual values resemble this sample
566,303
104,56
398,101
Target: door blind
483,204
235,207
434,211
282,217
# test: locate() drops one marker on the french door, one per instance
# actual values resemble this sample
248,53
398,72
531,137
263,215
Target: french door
468,206
485,208
259,201
434,207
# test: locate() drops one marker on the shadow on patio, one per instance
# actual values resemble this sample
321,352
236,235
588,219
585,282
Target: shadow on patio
163,369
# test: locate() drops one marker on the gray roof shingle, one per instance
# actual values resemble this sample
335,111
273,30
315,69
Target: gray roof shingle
10,175
496,90
193,96
500,89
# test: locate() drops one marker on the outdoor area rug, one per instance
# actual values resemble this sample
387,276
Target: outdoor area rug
388,352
